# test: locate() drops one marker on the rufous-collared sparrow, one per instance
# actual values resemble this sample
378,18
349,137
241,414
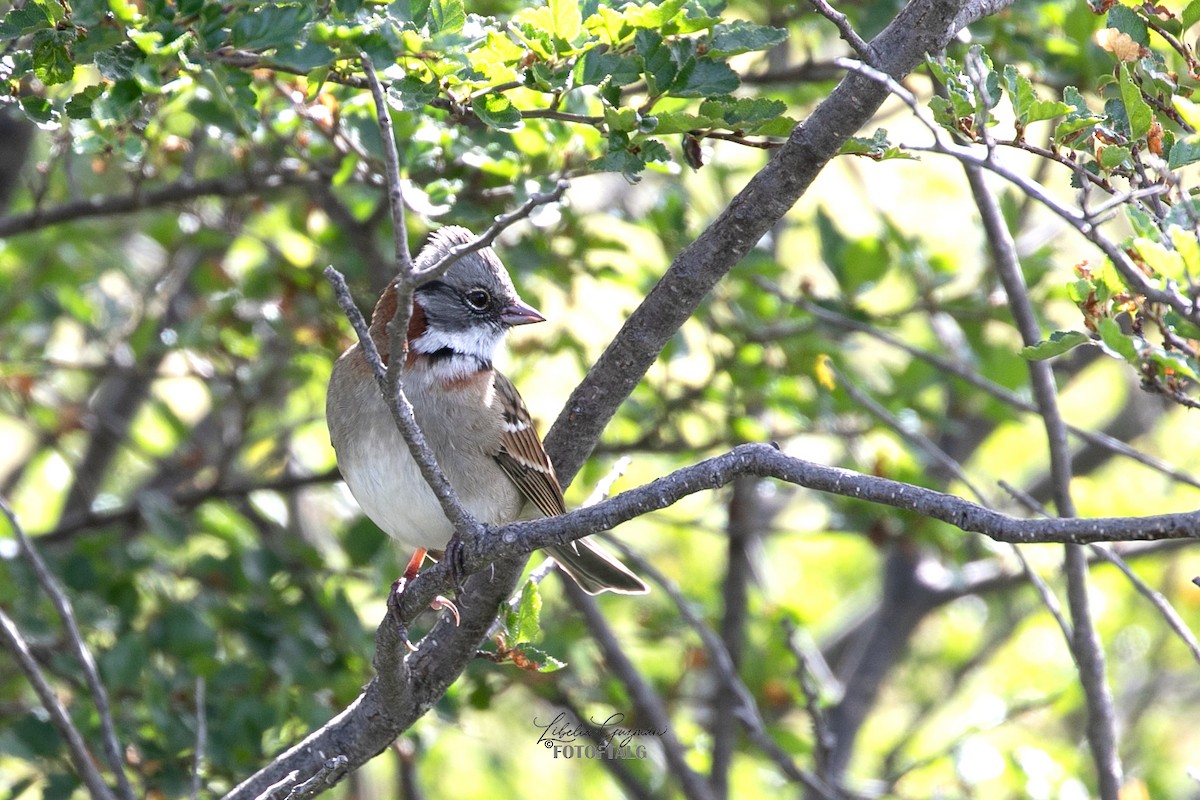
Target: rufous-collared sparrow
472,416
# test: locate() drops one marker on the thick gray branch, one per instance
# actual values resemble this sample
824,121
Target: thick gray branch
924,26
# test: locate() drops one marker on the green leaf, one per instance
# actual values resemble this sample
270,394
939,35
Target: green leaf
540,660
680,122
446,16
52,61
1126,21
410,93
20,21
1176,362
707,78
1113,156
1117,341
1136,109
623,120
80,104
566,18
737,37
1026,105
743,111
1186,150
496,111
37,108
652,15
660,69
1080,290
270,26
1191,14
525,623
654,150
596,66
1058,343
303,59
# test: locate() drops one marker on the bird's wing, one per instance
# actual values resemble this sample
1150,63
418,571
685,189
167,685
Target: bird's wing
521,454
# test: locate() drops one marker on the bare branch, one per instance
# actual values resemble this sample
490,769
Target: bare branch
1085,642
80,757
849,35
392,161
62,605
178,192
649,705
921,27
485,239
745,709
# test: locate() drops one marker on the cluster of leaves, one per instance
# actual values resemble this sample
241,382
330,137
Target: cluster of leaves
1145,132
631,74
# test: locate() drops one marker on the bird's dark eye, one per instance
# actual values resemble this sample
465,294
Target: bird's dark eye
478,299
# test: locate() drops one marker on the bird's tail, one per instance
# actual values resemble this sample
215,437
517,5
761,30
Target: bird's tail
596,570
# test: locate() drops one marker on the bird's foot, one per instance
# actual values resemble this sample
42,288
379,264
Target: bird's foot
442,604
393,607
456,556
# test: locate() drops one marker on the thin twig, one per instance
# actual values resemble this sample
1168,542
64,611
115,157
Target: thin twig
1049,599
1084,222
62,605
392,160
402,413
1085,643
1174,620
807,675
201,738
485,239
649,705
849,35
76,748
746,710
1097,439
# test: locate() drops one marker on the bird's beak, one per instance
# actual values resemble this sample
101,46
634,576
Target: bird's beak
520,314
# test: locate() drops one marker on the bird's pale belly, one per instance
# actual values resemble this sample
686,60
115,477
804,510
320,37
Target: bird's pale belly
394,494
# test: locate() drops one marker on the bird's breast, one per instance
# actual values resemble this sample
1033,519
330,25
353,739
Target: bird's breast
383,476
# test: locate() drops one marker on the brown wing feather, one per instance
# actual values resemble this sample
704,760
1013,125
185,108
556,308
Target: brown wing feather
521,454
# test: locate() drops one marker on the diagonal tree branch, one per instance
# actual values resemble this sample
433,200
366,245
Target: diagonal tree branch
369,725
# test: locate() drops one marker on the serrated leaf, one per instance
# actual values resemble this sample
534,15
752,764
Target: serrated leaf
52,61
1186,150
1079,290
596,66
654,150
410,93
566,19
496,111
660,69
680,122
1113,156
446,16
270,26
537,660
707,78
1058,343
621,120
1136,109
1126,21
1117,341
20,21
525,623
737,37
